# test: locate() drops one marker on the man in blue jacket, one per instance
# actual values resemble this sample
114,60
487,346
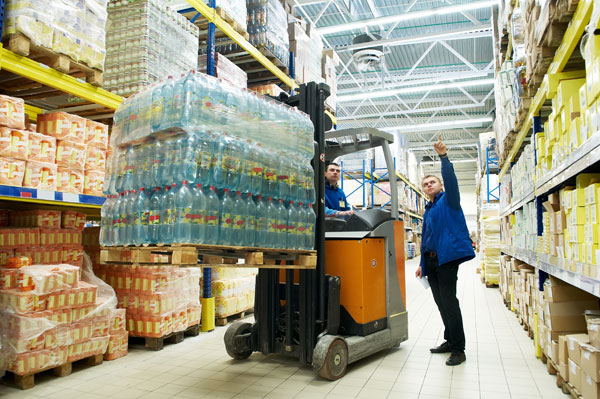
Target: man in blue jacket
336,204
445,245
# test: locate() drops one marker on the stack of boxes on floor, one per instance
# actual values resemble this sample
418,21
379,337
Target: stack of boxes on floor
46,236
233,290
49,316
159,299
490,242
62,153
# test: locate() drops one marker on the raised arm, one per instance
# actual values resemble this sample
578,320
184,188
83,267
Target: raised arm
450,181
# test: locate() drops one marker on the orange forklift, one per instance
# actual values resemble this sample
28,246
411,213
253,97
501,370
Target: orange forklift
353,304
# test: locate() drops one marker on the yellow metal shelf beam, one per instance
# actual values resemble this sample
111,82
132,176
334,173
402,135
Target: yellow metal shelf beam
33,112
50,202
210,14
35,71
550,83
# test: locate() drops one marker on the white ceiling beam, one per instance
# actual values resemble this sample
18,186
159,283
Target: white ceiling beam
448,123
405,16
419,78
414,111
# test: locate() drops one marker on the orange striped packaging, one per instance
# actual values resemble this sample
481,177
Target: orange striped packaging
41,148
14,143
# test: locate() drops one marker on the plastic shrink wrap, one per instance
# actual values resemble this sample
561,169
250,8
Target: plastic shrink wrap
233,290
490,244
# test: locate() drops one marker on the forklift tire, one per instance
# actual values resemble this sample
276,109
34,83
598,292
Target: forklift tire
336,361
233,350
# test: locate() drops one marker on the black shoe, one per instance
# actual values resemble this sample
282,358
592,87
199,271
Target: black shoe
456,358
443,348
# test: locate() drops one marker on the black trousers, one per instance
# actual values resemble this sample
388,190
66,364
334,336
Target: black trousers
442,280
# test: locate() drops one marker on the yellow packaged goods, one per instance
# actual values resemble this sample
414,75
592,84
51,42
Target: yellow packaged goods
93,182
96,134
13,143
70,154
12,112
95,158
41,148
70,180
63,126
40,175
568,89
12,171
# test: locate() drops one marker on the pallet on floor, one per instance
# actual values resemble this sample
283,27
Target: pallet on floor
179,255
224,320
157,344
22,45
27,381
202,24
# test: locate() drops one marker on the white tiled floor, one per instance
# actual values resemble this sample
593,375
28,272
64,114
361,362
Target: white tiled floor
500,363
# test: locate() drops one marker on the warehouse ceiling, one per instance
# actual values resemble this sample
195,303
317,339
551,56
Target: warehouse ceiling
436,73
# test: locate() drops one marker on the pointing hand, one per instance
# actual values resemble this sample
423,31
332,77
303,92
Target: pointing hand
439,146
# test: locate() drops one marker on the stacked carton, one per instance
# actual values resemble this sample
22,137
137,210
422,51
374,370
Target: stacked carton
490,243
307,46
330,61
159,299
233,290
51,317
225,69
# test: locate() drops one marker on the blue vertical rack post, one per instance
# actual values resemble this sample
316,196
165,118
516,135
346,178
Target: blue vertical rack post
489,162
362,184
208,302
2,4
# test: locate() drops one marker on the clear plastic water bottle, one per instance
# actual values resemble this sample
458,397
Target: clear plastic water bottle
168,215
158,161
121,236
109,176
167,102
262,223
270,186
190,112
199,212
157,107
170,150
283,176
155,215
272,214
121,166
184,202
115,221
143,166
131,216
175,111
251,225
311,223
130,168
239,220
301,227
213,205
226,214
294,172
254,164
189,164
205,158
141,232
282,216
292,226
106,221
227,166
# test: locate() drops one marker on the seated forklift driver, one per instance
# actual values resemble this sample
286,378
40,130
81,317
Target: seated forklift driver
445,245
336,204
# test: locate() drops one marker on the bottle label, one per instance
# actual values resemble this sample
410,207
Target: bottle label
229,163
281,227
212,218
227,220
168,216
204,160
154,217
185,215
123,220
129,169
255,169
145,218
291,229
238,222
261,223
293,180
270,176
273,225
137,219
301,228
198,218
251,222
283,179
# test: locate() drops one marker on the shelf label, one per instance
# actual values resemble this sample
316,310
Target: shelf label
45,195
70,197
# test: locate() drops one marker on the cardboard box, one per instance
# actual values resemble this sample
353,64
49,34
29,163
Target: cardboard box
575,375
563,350
574,342
593,328
590,361
554,353
590,389
559,291
568,316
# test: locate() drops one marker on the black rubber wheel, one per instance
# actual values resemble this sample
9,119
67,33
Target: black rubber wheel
234,330
336,361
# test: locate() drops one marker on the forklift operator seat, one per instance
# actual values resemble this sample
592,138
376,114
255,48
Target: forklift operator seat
366,220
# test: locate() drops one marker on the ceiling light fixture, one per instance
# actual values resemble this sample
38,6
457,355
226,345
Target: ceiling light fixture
407,16
415,89
455,161
437,125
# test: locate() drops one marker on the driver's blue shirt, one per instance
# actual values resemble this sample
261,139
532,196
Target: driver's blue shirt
335,200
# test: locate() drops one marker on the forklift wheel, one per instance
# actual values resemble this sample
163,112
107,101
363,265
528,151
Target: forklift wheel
336,362
232,346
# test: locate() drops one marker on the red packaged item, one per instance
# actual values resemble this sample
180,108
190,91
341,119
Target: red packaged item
51,237
19,237
71,237
41,148
6,253
96,134
94,182
12,171
31,127
72,255
73,220
70,154
12,112
14,143
8,278
95,158
37,218
70,180
63,126
18,261
40,175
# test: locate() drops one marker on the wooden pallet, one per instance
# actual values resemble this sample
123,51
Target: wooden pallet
222,321
28,381
22,45
252,67
179,255
202,23
157,344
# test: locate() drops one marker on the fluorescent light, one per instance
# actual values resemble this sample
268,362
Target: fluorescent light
415,89
437,125
456,161
406,16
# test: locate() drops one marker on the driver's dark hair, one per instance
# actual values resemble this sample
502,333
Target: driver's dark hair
328,163
423,179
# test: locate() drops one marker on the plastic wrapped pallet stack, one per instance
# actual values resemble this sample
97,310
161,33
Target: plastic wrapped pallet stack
490,243
70,27
233,290
226,70
147,41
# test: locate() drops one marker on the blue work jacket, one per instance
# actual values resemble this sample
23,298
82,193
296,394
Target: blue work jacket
335,199
444,227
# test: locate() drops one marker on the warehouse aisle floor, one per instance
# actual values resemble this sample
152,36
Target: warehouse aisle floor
500,363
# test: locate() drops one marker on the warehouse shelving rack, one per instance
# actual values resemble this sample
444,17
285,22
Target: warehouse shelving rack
579,160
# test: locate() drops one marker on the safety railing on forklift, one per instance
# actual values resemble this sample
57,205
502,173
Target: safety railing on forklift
373,180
